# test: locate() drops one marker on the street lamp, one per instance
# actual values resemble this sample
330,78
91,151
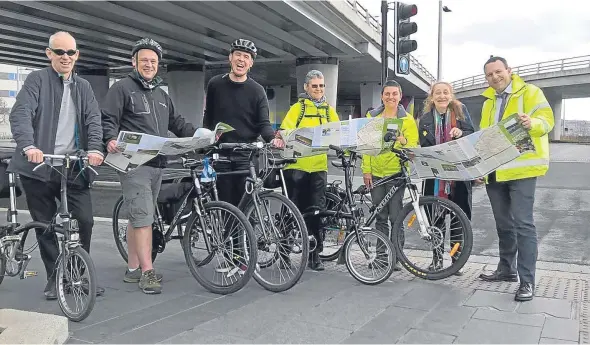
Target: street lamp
441,9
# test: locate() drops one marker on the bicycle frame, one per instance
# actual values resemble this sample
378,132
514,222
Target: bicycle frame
67,227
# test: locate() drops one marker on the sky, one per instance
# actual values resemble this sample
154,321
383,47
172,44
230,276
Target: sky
522,31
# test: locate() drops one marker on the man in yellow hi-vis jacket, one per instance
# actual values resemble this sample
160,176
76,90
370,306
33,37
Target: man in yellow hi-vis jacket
511,188
307,178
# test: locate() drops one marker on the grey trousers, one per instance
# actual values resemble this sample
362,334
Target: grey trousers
512,205
390,211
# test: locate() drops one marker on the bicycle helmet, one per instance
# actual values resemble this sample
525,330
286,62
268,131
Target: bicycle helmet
245,46
147,43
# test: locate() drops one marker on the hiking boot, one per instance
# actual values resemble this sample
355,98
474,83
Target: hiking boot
149,284
135,276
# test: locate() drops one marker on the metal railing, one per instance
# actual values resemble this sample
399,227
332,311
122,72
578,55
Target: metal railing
578,62
376,26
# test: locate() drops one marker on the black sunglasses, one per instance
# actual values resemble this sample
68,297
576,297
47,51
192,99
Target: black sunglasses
60,52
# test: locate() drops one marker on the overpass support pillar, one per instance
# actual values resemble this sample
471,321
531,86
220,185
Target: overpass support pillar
370,96
557,107
329,68
279,102
99,81
186,86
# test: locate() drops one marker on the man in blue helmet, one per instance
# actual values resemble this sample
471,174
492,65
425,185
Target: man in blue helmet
238,100
137,104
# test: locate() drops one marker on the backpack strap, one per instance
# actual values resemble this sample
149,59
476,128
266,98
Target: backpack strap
301,114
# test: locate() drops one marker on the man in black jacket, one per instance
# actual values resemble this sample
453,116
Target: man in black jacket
238,100
137,104
56,113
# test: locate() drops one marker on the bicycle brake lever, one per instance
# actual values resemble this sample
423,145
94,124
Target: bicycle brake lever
92,169
39,166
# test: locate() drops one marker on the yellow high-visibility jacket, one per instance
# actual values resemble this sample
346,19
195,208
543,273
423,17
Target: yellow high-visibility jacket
529,99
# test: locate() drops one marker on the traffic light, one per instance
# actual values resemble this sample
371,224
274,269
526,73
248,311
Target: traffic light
403,29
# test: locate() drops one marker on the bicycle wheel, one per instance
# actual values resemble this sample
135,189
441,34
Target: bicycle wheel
335,229
419,250
233,249
120,230
282,241
76,277
381,256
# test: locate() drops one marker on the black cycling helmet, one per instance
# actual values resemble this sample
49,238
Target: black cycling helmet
245,46
147,43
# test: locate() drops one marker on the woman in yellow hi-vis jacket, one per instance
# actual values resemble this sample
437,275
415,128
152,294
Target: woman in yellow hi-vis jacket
306,180
387,163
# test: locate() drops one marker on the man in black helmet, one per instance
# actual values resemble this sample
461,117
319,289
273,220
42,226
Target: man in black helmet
241,102
136,103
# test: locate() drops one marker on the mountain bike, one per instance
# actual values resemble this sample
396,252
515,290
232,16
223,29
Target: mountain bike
14,259
207,231
434,217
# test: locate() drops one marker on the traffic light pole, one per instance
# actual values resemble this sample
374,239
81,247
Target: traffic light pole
384,39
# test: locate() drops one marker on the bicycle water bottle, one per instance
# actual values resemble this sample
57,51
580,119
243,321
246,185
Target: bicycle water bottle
208,174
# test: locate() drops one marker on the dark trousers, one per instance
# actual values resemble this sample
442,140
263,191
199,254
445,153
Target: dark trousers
389,212
512,204
41,201
231,188
308,192
460,195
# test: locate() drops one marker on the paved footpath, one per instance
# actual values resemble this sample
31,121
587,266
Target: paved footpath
325,307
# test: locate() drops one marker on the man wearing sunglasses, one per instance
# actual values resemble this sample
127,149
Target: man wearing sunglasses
56,113
307,178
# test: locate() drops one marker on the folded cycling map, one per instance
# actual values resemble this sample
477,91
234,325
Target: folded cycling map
139,148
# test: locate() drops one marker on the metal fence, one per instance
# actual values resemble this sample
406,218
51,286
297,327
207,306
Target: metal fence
579,62
376,26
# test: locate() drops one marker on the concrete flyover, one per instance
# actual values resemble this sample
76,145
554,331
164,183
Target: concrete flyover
338,37
559,79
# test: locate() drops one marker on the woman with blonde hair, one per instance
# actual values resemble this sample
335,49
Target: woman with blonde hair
445,119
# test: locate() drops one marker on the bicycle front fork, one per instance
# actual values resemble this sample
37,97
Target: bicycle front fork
420,214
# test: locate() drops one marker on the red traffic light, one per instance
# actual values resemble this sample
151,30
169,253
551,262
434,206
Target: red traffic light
406,11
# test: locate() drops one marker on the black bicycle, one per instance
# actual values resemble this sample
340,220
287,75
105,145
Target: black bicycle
75,272
281,234
433,217
216,233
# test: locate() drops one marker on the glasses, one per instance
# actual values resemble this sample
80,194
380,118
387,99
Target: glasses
315,86
60,52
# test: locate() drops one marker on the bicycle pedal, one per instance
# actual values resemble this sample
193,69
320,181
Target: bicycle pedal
28,274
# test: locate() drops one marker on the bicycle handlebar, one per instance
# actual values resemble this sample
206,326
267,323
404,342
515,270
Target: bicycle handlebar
242,146
389,137
72,157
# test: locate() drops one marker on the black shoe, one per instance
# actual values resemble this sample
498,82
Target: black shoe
315,263
496,276
525,292
50,290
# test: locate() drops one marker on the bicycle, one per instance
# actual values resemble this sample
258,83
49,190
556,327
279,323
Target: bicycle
422,209
206,226
280,231
14,260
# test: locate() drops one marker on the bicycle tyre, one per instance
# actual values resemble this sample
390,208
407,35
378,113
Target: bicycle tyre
250,238
465,250
391,259
63,304
115,221
2,267
333,256
305,242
